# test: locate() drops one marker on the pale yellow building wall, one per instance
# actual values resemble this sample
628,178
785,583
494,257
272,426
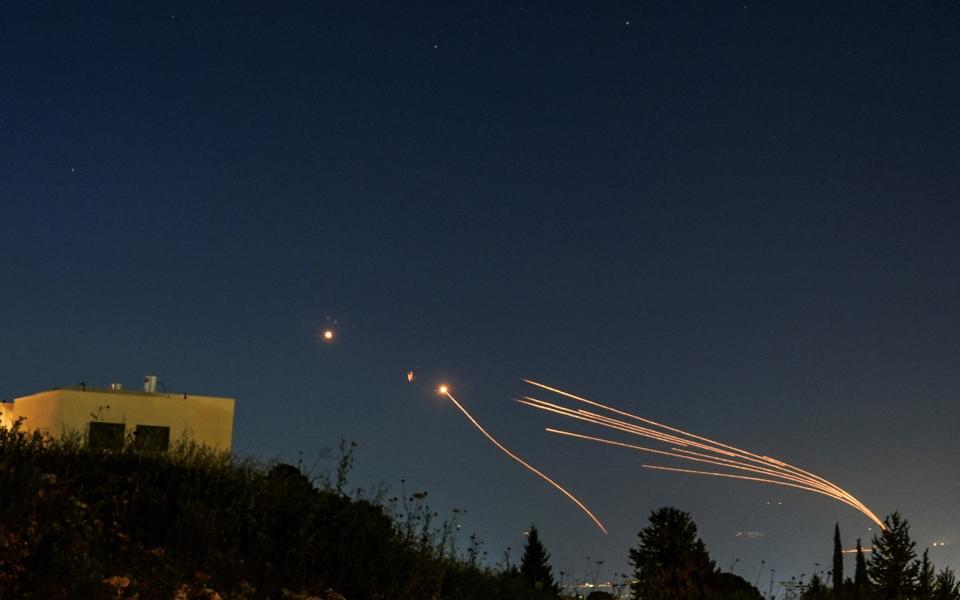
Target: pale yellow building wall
206,420
5,407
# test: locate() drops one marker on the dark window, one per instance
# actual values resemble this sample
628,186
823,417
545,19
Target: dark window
151,438
106,436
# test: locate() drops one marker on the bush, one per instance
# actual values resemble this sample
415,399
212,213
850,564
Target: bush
194,523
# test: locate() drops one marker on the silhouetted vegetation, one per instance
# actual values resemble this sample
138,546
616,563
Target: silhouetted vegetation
861,581
535,566
837,559
893,572
672,563
192,523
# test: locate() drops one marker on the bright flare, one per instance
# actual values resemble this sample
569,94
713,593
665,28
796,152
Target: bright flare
444,390
328,334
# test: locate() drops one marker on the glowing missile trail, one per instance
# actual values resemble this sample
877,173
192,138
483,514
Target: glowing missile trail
443,390
776,472
743,477
641,419
799,483
675,453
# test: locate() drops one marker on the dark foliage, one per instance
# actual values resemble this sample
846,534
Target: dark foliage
946,586
535,566
816,590
837,560
925,578
727,586
191,523
671,563
861,582
892,568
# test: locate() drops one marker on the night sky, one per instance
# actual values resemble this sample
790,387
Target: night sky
739,219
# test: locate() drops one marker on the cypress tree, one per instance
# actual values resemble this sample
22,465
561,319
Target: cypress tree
837,561
860,581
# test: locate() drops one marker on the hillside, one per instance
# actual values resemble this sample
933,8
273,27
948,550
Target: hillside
189,523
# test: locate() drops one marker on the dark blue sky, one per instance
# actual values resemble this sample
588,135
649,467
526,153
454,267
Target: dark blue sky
738,219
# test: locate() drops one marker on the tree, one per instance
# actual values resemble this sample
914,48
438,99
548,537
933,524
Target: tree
816,590
860,581
534,566
727,586
925,575
837,561
892,567
945,586
671,562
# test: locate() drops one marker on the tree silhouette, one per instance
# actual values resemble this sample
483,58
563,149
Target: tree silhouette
534,566
671,562
727,586
945,586
925,577
861,583
837,561
892,567
816,590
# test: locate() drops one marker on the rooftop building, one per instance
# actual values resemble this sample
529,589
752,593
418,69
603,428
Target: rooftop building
108,416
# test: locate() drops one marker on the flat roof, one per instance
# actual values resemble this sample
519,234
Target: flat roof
121,391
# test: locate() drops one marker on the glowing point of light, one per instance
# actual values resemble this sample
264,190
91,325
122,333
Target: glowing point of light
328,334
443,389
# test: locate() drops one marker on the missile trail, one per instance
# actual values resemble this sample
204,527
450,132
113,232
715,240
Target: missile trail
705,450
784,467
799,483
444,391
708,460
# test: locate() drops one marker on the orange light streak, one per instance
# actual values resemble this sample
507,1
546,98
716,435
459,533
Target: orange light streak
744,478
610,423
444,390
802,483
642,431
651,434
784,473
641,419
733,464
